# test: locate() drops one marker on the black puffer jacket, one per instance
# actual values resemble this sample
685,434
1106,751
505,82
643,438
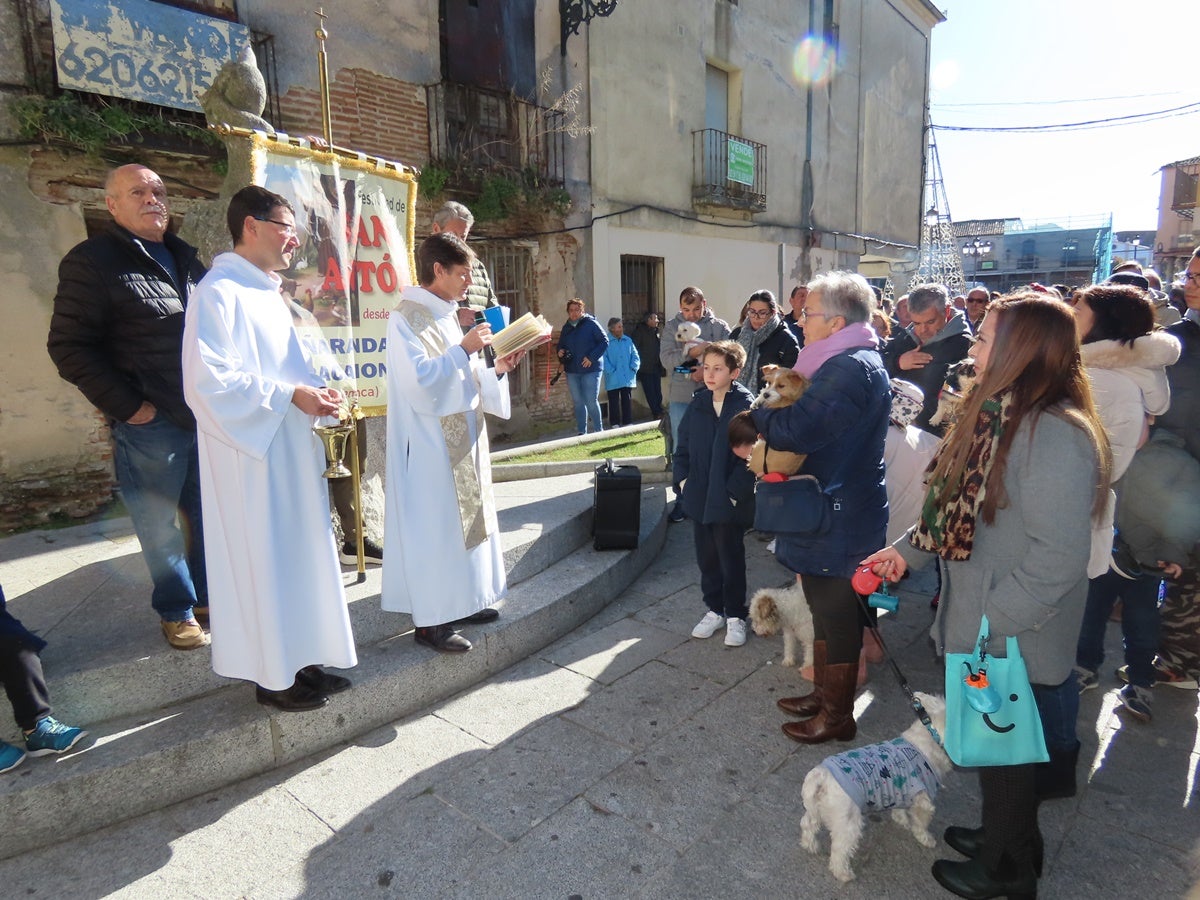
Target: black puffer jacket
117,329
1183,418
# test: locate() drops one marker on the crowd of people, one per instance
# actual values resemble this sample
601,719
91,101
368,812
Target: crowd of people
1040,447
1037,446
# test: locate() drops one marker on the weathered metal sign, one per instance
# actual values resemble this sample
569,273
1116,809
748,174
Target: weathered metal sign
141,50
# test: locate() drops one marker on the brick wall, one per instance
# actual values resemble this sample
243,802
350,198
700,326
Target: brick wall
382,116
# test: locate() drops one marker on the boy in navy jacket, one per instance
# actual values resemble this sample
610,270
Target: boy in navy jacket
716,491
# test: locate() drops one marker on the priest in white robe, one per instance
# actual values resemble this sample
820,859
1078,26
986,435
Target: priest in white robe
442,559
252,385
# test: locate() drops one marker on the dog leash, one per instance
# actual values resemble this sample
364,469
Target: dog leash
918,707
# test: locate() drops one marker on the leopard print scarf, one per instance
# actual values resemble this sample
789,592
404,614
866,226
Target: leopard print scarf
949,529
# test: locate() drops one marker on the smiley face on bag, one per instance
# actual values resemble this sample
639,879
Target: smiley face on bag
985,699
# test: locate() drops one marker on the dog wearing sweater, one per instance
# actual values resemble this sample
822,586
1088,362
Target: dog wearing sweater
902,775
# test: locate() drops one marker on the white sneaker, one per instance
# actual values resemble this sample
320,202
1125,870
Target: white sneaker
709,625
735,632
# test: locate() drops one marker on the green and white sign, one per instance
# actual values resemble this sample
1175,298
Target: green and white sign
741,162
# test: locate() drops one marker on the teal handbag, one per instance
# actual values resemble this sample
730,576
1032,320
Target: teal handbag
991,716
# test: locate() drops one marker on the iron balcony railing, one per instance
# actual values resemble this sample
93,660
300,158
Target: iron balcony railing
728,171
481,129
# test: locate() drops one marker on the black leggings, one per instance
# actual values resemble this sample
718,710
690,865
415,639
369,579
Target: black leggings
837,619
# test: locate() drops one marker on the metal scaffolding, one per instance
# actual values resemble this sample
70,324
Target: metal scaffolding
939,260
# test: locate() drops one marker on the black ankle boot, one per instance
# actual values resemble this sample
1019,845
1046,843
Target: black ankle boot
972,880
1055,780
969,842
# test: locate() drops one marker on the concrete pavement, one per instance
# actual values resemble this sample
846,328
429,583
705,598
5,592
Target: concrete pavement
627,760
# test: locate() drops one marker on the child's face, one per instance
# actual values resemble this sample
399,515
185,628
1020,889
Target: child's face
717,374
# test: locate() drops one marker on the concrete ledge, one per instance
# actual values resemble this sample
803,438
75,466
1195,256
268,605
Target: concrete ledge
145,762
654,469
573,441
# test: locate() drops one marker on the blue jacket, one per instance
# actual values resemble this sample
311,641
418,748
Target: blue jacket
585,339
621,363
840,422
720,487
11,627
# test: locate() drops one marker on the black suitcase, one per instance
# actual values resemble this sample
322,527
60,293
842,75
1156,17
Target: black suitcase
616,507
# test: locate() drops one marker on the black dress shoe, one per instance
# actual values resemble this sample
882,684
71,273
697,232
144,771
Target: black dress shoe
972,880
321,681
480,618
969,842
297,698
443,638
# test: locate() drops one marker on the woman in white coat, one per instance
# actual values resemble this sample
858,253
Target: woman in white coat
1126,360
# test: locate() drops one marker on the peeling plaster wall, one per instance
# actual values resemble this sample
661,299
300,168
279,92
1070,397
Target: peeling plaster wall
53,444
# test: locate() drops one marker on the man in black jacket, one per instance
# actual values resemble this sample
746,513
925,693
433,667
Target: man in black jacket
116,334
921,353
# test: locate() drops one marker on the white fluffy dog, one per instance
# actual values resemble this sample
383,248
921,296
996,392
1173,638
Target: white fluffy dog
773,610
902,775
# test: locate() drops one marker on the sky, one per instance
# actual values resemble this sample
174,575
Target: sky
997,63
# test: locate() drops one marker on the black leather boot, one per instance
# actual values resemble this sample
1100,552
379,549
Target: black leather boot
969,842
1055,780
972,880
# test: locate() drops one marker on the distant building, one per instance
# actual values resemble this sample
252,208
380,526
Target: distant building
1177,234
1003,254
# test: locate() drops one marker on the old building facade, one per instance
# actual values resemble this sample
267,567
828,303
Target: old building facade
731,145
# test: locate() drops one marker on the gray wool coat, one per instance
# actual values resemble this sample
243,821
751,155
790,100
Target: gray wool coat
1028,569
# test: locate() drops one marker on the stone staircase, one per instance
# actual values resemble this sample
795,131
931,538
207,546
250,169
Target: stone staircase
164,728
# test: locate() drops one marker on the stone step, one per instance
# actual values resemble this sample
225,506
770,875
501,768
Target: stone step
108,659
133,764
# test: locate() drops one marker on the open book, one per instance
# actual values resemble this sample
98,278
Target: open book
524,334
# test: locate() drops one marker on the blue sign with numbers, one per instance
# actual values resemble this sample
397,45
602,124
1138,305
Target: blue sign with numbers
141,50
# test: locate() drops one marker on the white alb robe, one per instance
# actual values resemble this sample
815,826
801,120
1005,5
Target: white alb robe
278,603
428,570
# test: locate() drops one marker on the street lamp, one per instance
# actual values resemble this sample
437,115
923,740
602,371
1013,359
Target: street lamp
974,250
1135,243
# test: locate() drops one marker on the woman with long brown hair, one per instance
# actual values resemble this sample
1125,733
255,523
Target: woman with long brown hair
1012,494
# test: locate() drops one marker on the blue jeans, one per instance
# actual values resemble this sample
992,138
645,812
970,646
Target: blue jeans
159,473
1058,708
1139,623
677,411
585,394
652,386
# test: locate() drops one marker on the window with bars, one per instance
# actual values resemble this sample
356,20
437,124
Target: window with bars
510,266
641,287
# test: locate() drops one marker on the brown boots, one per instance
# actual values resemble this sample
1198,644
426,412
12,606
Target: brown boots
809,704
831,703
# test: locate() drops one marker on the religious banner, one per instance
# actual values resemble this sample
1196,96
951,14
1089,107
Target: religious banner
141,50
355,220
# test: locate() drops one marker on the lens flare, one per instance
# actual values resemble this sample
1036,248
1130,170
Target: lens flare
814,61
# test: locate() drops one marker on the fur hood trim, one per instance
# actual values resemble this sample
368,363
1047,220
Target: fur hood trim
1151,351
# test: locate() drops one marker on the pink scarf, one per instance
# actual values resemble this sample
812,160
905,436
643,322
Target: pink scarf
856,336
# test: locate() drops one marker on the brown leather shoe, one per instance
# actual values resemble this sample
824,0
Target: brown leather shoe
185,635
835,721
808,704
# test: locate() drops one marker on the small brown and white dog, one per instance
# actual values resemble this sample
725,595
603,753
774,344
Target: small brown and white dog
781,387
902,775
775,610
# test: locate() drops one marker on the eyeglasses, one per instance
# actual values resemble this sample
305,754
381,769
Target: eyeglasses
288,228
1191,276
759,313
805,314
